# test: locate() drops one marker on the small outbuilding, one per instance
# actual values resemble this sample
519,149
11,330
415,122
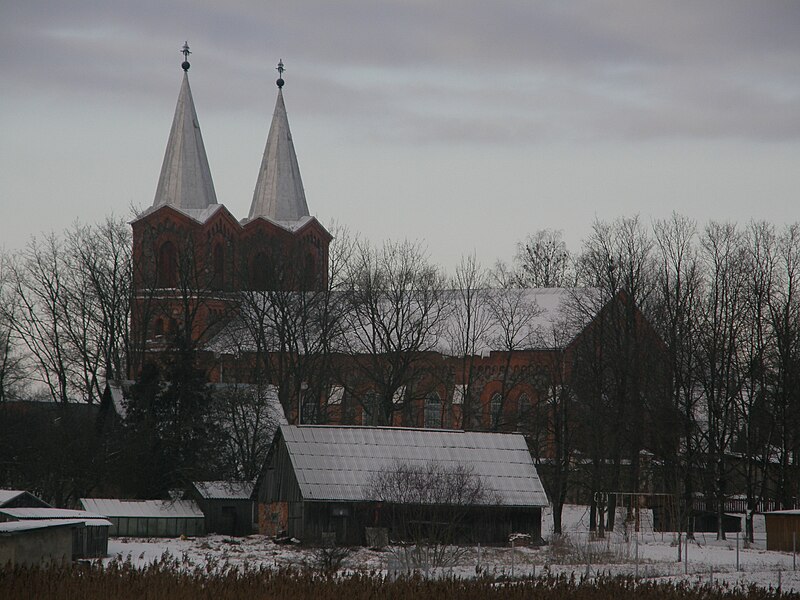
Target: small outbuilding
37,543
227,506
149,518
783,530
361,484
89,531
20,499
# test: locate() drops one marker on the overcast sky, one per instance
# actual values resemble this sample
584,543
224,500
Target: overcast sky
464,125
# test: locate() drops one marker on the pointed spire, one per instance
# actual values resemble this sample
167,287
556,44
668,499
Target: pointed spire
185,180
279,194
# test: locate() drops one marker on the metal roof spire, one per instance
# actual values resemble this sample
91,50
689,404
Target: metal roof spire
185,180
279,193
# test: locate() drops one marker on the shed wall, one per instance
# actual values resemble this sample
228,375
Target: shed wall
37,547
783,532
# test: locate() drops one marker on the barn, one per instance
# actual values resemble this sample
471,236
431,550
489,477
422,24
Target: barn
356,483
149,518
783,530
227,506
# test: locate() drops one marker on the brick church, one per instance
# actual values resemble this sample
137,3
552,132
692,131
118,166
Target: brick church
194,261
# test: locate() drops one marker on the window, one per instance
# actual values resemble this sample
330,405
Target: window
371,409
158,327
258,272
167,266
524,409
433,410
495,410
218,264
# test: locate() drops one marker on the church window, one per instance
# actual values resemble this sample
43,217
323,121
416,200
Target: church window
433,410
524,409
371,409
218,263
167,265
258,272
495,409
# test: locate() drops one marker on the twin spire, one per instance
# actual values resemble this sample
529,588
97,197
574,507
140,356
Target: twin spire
185,180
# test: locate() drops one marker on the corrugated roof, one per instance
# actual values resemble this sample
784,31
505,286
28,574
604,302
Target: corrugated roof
335,463
13,527
48,513
111,507
224,490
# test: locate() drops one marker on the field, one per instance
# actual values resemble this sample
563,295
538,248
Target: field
623,564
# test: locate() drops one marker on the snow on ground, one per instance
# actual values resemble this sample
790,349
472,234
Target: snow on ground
710,561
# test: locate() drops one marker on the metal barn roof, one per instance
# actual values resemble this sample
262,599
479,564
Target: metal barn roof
48,513
6,496
158,509
335,463
224,490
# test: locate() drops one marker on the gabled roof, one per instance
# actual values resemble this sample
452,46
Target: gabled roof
185,180
224,490
16,496
111,507
279,194
337,463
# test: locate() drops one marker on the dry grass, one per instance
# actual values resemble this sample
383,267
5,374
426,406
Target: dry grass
168,579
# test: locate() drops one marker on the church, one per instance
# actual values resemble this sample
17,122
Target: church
214,284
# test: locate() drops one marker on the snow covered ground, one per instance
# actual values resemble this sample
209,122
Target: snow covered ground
709,560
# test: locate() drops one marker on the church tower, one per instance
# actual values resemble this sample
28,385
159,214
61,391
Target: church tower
192,259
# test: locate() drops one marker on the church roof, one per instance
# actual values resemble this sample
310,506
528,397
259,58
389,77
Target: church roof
185,180
279,194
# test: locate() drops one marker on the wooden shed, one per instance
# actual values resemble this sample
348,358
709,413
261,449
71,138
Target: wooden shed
783,530
37,543
89,530
149,518
331,480
227,506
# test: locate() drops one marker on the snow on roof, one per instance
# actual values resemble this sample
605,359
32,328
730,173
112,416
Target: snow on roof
785,513
524,319
336,463
12,527
111,507
8,495
224,490
23,514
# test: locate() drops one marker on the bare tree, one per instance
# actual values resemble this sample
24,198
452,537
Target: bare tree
618,365
543,261
720,334
249,415
784,318
675,314
394,316
469,323
427,506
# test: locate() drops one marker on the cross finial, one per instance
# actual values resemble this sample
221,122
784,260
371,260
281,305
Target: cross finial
280,74
186,52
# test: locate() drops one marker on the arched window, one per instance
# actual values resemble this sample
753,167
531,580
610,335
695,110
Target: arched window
495,409
433,410
167,266
524,410
258,272
371,409
218,266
